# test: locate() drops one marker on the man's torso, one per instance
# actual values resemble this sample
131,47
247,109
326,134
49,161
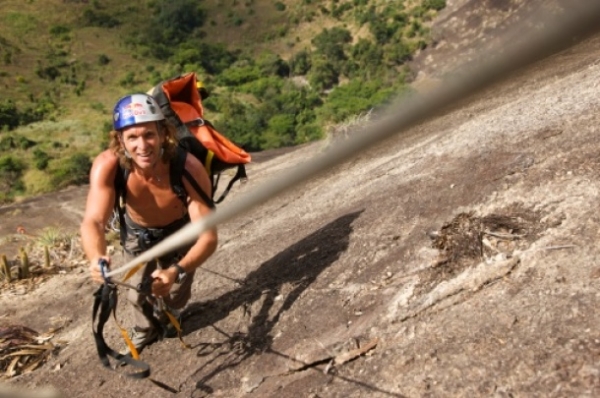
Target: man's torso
153,203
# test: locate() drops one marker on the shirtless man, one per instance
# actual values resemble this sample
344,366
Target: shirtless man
144,144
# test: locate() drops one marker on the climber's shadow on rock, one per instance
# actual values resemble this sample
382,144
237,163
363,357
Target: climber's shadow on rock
299,265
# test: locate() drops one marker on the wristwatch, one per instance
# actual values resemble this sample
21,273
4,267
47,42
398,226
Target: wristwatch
181,274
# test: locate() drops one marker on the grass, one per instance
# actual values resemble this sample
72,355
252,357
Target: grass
54,137
37,182
344,130
21,24
54,237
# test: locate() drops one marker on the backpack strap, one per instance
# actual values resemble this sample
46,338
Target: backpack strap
120,193
239,175
191,144
177,171
165,106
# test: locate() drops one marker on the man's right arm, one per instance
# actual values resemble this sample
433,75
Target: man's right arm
98,208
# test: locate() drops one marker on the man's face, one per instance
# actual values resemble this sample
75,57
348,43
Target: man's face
143,142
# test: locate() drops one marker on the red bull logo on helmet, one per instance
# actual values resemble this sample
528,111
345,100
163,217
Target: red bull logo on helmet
134,109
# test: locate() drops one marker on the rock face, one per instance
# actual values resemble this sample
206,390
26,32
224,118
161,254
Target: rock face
458,259
467,27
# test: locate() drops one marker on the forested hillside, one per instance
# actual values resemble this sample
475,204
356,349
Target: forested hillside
279,73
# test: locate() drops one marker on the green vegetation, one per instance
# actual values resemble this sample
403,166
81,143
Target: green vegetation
11,170
66,63
71,170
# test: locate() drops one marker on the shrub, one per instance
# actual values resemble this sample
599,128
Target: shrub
300,63
322,75
99,19
38,111
263,88
103,60
434,4
186,55
9,115
353,98
272,64
239,74
48,72
24,143
215,58
128,80
281,128
242,123
40,159
80,88
7,143
338,12
237,20
398,53
59,30
330,43
419,12
11,169
368,56
173,23
36,182
74,169
10,164
381,31
308,132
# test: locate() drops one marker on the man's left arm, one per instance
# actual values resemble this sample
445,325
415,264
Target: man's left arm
207,242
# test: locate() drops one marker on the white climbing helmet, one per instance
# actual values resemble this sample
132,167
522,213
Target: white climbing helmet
135,109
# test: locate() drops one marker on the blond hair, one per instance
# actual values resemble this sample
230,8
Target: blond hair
169,145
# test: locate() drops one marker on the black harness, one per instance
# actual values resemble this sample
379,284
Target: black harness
148,237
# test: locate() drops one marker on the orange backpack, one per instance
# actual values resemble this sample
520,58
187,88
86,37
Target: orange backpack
181,103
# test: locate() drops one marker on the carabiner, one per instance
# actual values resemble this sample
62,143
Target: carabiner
103,264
